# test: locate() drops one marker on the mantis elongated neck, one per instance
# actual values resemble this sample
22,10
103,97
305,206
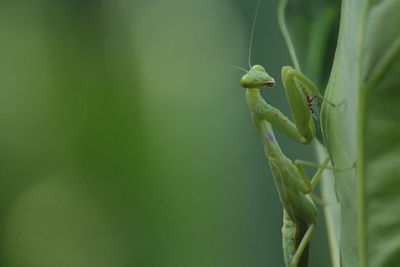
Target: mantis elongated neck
255,103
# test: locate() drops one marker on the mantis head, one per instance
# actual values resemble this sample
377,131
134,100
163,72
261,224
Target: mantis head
257,77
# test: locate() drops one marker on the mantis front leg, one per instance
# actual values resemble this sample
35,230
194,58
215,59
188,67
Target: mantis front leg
301,93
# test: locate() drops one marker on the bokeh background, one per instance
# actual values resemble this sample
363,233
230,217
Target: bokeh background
123,141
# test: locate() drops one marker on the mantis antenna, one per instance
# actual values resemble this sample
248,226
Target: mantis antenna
250,45
231,66
252,32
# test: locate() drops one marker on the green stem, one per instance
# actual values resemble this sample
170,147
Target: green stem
285,32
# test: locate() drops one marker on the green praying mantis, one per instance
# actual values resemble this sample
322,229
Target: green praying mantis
293,184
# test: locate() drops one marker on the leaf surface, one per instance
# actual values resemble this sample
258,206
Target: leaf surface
366,74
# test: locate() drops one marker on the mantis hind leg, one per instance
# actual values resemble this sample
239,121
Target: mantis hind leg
295,253
302,246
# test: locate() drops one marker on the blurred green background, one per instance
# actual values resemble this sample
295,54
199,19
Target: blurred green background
124,143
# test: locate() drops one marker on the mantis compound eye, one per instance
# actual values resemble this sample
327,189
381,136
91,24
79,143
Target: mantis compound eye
258,67
248,81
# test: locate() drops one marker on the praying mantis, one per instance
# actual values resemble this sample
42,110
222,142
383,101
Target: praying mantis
293,184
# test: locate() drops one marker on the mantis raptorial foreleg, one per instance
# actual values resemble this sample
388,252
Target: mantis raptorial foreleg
301,94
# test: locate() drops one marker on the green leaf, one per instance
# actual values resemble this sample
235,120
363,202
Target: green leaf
366,74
